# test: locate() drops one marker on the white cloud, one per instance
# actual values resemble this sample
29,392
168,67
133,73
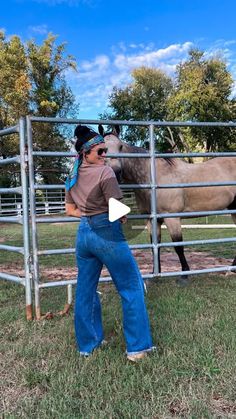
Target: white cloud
100,63
95,79
39,29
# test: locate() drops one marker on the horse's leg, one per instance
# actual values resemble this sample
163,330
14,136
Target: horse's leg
149,227
234,220
174,227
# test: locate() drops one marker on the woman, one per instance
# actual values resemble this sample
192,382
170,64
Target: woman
101,242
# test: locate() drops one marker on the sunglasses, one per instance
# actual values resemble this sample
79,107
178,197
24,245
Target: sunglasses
100,151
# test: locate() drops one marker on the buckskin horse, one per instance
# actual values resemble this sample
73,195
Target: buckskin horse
172,171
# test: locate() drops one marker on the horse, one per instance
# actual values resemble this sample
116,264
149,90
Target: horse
172,171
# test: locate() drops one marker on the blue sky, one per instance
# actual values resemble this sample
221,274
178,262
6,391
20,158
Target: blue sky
109,38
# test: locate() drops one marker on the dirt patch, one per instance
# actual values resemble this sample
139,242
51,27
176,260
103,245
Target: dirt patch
169,263
223,407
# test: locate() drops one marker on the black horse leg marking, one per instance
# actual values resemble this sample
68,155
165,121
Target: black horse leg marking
159,224
234,220
149,226
180,252
174,228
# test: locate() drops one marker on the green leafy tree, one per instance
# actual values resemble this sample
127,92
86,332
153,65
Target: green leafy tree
14,88
32,81
144,99
50,97
202,92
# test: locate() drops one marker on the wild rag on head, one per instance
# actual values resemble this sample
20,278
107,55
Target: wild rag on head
86,139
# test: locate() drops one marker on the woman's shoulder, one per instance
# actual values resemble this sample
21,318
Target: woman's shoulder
107,171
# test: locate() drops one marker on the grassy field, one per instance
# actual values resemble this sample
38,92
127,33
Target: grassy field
192,375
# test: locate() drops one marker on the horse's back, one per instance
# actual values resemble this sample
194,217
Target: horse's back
220,169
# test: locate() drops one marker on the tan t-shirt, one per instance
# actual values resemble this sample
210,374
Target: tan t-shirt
95,185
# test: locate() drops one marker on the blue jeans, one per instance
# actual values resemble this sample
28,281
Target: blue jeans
101,242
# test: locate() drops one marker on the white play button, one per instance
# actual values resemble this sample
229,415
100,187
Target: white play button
117,209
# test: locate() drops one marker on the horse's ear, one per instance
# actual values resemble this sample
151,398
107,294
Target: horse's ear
116,130
101,130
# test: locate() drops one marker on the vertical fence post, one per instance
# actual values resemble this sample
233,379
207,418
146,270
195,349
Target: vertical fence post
33,220
156,268
25,207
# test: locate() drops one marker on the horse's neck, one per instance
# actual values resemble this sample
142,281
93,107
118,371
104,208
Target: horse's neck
135,170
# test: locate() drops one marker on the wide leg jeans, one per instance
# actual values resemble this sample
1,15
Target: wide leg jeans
101,242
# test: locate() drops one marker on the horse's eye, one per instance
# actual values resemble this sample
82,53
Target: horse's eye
120,148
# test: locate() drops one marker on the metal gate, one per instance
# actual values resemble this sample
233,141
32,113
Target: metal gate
21,190
33,270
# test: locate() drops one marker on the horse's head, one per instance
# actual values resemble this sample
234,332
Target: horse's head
114,145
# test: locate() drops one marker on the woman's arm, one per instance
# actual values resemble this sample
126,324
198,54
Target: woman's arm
72,210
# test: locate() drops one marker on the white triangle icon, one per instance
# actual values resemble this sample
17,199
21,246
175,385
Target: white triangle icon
116,209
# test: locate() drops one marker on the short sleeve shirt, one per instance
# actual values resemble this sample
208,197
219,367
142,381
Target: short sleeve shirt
95,186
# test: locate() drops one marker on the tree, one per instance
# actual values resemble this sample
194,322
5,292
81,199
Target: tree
202,92
32,81
50,96
14,88
144,99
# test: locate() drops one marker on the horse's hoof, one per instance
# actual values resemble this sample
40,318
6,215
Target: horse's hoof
183,281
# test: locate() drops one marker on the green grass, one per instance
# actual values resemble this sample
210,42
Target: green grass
193,374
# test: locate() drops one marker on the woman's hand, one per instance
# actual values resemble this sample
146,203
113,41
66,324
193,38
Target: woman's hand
72,210
123,220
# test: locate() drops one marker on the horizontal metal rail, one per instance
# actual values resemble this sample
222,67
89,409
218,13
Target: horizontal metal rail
9,211
58,283
174,185
43,220
12,278
71,154
74,281
145,276
198,271
13,220
17,190
6,203
196,154
145,246
37,186
197,242
132,123
10,160
12,248
194,185
192,226
11,130
72,249
145,155
193,214
53,154
141,217
56,251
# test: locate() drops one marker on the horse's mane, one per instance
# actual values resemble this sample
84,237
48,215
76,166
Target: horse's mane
136,149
